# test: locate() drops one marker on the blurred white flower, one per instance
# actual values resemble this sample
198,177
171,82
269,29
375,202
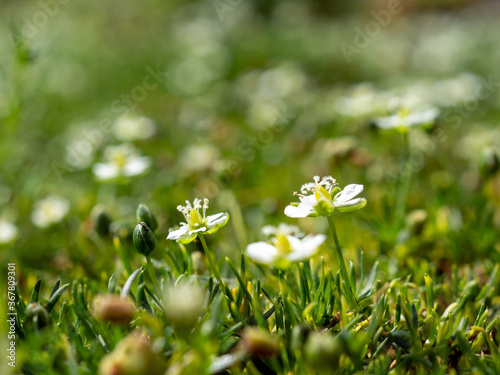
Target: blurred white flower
197,158
184,304
326,197
8,232
284,249
49,211
405,119
196,223
130,127
121,161
289,230
363,100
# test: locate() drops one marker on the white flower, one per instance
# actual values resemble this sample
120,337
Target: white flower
196,223
49,211
326,197
404,119
195,158
8,232
362,101
122,160
184,304
130,127
292,230
284,249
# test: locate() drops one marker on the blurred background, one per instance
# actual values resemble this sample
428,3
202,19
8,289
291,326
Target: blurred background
104,105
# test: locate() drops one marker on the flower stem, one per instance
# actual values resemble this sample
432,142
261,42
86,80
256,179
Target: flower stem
151,273
402,195
211,261
343,270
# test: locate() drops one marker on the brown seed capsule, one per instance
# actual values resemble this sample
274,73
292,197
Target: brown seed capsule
257,342
114,309
133,355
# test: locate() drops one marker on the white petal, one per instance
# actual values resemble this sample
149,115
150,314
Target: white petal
349,192
105,171
303,209
306,247
175,234
136,166
352,205
202,229
262,252
216,219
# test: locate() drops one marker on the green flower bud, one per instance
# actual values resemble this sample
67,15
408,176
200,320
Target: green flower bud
36,312
402,338
323,352
472,289
102,221
144,239
299,336
257,342
144,214
489,163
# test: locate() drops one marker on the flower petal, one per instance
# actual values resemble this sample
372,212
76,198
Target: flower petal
262,252
218,219
137,166
353,204
303,209
174,234
105,171
202,229
306,247
349,192
214,222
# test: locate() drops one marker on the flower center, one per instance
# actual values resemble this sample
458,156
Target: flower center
282,244
120,159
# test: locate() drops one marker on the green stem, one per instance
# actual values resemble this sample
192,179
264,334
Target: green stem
404,186
343,270
210,259
151,273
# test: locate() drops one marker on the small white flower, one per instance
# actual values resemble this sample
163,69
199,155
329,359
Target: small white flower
8,232
196,223
404,119
49,211
326,197
130,127
184,304
284,249
292,230
121,161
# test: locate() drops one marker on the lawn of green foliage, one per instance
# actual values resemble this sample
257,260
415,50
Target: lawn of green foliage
118,119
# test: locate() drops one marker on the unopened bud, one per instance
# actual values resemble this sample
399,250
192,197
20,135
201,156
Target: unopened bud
113,308
323,351
144,239
133,355
257,342
489,163
402,338
102,221
36,313
144,214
